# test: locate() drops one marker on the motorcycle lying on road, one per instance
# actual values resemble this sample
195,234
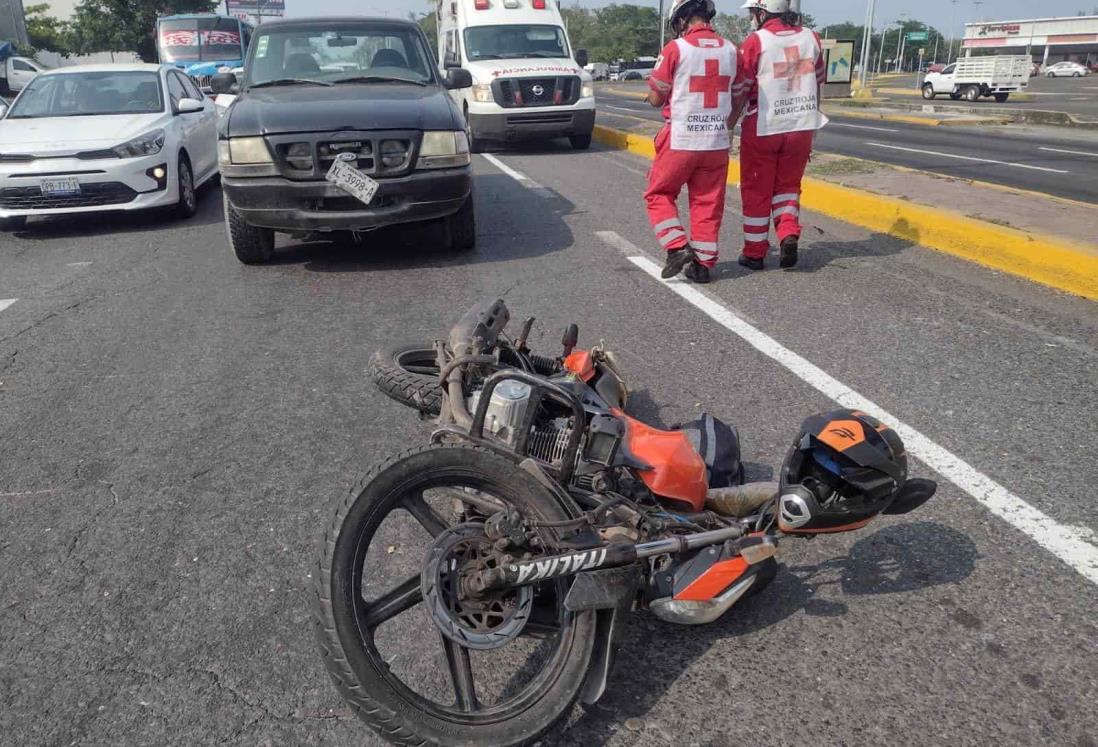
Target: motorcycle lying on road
539,516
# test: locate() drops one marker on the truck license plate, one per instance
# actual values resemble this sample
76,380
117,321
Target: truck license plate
68,185
352,181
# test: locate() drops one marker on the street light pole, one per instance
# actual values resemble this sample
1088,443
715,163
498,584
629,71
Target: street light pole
901,41
867,40
881,55
952,28
663,28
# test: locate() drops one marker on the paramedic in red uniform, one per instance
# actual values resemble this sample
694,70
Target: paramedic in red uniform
693,83
781,70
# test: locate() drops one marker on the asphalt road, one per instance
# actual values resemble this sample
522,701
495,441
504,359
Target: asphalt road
175,426
1064,166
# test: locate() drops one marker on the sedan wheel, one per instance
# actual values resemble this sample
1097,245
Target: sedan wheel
188,200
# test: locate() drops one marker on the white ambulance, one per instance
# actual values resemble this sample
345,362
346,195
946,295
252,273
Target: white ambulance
528,82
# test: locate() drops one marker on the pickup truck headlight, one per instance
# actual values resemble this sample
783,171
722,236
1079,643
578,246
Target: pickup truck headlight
483,93
587,91
248,151
147,145
443,150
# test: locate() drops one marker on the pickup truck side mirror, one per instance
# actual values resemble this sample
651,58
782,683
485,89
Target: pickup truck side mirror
224,83
582,58
458,77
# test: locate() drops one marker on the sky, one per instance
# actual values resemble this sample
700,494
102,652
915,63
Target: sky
935,12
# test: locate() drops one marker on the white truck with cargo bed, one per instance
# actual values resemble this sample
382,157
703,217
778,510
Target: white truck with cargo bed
971,78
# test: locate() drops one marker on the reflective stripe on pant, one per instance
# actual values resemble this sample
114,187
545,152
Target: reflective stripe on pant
705,176
771,170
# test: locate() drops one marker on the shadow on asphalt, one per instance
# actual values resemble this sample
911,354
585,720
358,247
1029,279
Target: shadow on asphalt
117,222
896,559
512,224
816,255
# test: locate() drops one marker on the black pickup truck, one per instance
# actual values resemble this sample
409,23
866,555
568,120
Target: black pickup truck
341,124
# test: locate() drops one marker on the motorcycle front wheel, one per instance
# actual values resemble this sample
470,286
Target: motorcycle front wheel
381,642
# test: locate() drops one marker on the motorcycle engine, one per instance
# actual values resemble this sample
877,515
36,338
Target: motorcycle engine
506,409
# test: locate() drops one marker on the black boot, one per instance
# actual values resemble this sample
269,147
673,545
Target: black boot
752,264
788,252
676,260
697,273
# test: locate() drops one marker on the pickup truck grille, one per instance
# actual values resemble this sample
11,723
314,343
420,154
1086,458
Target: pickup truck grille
513,93
307,157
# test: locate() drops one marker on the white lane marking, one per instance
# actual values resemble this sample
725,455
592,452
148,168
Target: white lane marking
6,302
78,264
516,175
1071,152
1064,541
621,108
833,123
969,158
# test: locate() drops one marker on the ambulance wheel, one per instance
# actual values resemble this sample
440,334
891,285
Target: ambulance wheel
928,92
580,142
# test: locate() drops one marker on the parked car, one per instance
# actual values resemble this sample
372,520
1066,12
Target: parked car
303,150
16,72
105,137
1066,70
935,67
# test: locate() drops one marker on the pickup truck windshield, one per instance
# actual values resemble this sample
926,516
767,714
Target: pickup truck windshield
337,53
514,42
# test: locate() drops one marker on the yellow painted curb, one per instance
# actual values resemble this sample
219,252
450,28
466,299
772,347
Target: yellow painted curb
1049,260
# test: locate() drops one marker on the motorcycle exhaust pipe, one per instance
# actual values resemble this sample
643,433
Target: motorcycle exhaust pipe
611,556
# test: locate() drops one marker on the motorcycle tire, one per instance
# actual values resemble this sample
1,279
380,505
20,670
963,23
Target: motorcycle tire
768,569
408,373
358,669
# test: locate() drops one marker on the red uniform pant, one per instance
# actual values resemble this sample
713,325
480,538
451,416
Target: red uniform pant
771,169
705,175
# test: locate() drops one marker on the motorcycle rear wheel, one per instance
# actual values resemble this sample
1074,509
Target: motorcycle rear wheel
408,373
349,626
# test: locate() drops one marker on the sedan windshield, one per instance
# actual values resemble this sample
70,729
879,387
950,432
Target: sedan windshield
341,52
514,42
90,94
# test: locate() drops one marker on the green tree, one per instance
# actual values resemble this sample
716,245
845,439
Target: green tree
733,27
126,25
46,32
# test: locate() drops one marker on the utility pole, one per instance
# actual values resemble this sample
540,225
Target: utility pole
663,28
867,40
952,28
902,41
881,56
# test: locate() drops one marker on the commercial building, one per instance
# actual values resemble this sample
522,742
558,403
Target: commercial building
1049,40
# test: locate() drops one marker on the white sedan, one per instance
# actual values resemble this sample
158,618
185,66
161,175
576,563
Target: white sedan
105,137
1066,70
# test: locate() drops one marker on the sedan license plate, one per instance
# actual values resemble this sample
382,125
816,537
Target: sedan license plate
352,181
65,186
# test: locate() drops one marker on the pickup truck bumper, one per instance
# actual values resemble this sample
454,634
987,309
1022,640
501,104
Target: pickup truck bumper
292,206
519,124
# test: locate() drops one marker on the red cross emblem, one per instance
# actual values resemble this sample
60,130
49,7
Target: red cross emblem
712,84
794,68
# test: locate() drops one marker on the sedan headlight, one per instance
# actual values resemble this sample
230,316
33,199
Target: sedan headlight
249,150
443,150
147,145
483,93
587,91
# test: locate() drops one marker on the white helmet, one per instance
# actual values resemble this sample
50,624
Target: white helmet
777,7
680,10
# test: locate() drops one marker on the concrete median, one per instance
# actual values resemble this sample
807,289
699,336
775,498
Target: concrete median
1053,261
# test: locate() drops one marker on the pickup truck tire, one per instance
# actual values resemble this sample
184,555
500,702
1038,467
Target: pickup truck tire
461,228
580,142
971,93
1002,97
475,146
251,245
928,92
955,96
13,224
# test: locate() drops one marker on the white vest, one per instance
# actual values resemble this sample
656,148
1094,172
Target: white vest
701,95
789,98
